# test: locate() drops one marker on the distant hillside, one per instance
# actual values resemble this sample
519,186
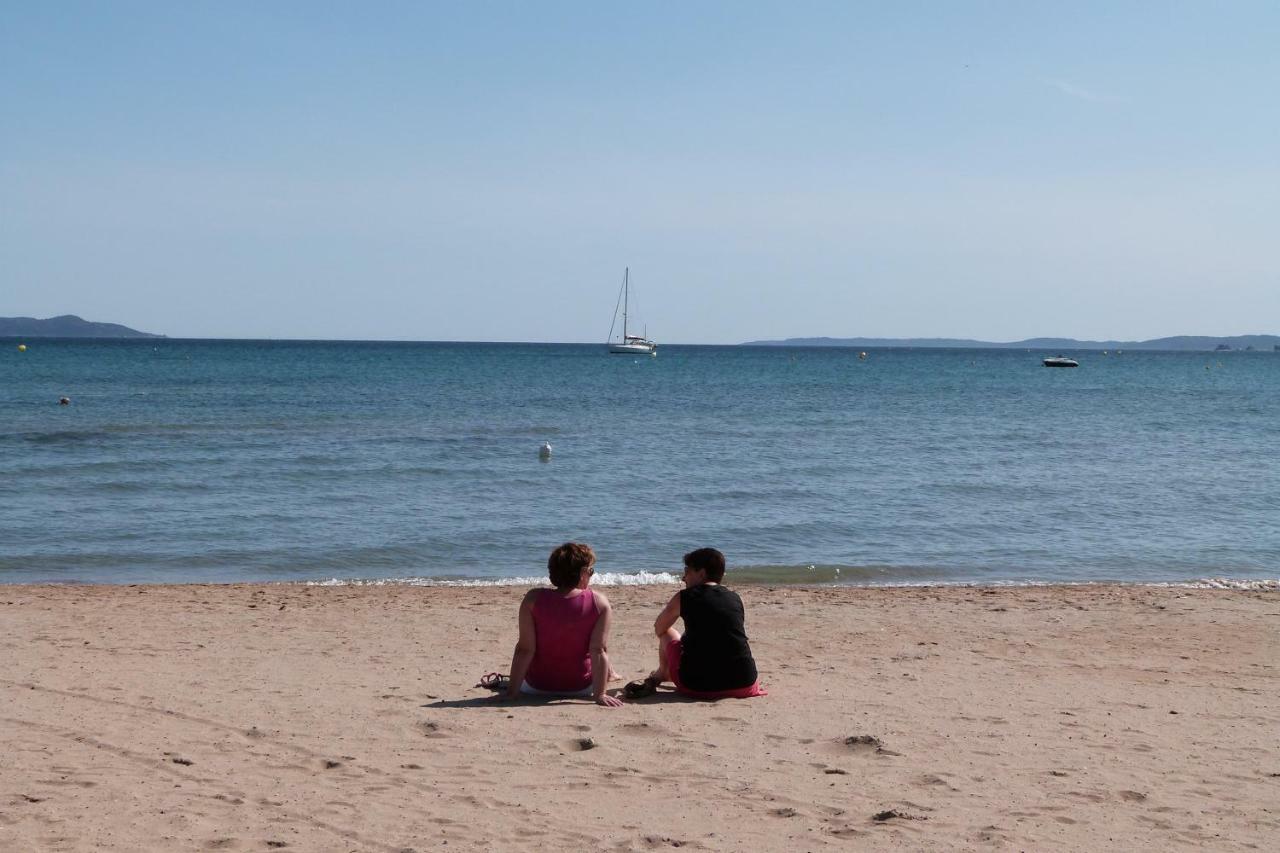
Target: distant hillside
1181,342
66,326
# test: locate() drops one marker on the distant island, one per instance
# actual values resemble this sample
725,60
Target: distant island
1180,342
66,326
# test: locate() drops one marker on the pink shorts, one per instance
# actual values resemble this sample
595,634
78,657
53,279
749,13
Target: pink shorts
675,650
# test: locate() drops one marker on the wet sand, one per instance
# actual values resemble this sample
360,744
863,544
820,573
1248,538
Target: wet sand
345,718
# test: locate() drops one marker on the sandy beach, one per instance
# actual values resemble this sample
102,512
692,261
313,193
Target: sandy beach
263,717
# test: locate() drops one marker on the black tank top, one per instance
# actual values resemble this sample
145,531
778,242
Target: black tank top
716,654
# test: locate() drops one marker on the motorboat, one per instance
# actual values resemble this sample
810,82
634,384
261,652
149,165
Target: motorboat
1060,361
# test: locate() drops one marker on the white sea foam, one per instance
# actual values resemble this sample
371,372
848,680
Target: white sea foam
602,579
666,578
1269,584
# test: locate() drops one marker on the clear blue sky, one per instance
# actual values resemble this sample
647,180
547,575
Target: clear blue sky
469,171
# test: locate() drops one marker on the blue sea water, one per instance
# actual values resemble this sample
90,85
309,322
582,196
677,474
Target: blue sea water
183,461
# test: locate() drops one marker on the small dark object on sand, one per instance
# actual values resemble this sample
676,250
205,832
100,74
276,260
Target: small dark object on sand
185,762
640,689
494,681
891,814
329,764
835,771
863,740
585,743
786,811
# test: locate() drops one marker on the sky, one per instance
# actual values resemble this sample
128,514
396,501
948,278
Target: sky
485,171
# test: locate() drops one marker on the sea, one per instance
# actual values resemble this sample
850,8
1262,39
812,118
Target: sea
180,461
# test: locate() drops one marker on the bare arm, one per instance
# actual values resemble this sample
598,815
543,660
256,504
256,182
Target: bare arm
667,618
600,653
526,646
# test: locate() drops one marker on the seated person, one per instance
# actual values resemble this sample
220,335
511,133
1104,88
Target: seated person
564,633
713,658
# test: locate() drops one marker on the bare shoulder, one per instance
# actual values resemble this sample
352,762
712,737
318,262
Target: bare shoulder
531,595
602,603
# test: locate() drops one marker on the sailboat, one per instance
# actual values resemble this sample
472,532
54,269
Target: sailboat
629,344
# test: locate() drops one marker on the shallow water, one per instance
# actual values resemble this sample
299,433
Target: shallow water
187,461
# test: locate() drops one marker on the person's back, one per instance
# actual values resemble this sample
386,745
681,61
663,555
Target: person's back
712,660
564,633
716,653
562,625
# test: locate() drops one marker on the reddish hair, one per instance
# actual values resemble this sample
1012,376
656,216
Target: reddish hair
566,563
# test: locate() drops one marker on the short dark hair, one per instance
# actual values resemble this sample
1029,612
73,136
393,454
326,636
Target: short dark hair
566,563
709,559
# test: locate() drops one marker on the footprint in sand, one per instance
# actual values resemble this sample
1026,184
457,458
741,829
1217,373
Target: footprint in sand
895,814
930,780
430,729
863,745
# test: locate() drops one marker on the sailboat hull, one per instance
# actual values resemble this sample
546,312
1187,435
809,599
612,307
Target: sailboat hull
633,349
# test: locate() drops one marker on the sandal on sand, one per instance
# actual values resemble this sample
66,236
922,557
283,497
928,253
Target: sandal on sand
641,689
494,681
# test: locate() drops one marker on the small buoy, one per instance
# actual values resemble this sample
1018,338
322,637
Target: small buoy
64,401
862,356
22,347
544,452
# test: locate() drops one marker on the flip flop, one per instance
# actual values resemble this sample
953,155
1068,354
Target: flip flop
494,681
641,688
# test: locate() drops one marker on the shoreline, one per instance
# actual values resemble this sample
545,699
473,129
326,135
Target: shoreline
288,716
613,581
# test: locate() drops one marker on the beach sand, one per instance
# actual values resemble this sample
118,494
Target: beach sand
264,717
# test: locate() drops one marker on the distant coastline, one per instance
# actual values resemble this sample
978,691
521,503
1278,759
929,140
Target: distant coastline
66,326
1268,343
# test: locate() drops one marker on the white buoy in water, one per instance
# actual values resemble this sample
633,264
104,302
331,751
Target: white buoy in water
544,452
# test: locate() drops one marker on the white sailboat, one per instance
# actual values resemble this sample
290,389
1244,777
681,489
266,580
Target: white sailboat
629,344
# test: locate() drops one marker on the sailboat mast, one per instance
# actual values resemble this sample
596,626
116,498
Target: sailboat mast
626,293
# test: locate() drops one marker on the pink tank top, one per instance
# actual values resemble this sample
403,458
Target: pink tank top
562,626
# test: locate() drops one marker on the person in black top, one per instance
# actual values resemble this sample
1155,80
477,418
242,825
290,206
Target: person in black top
712,660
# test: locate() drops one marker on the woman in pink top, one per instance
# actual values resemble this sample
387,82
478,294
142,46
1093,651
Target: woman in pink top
564,633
